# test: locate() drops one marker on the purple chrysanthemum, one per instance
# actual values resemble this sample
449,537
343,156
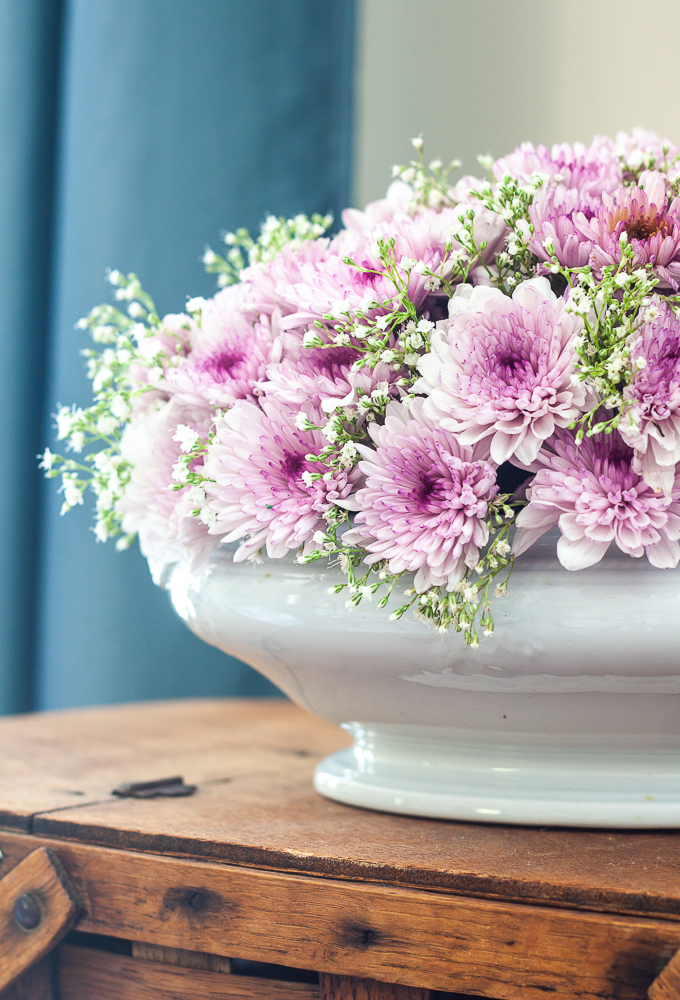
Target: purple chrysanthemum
324,377
650,224
262,490
643,148
593,493
426,498
651,421
552,216
589,170
150,506
229,352
502,368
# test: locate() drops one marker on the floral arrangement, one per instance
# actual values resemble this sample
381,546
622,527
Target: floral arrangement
372,398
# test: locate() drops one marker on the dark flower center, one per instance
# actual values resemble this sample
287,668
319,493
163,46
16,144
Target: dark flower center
426,487
327,360
643,229
220,365
292,464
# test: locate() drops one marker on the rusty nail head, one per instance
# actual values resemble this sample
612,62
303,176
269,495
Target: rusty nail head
27,911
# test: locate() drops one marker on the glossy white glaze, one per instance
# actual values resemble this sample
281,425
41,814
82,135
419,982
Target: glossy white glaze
569,714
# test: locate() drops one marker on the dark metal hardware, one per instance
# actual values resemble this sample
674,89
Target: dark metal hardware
27,911
162,787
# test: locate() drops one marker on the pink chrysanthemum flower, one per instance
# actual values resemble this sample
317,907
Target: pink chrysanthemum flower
262,490
643,148
595,496
331,287
501,368
552,215
651,420
261,283
426,498
162,516
651,225
324,376
590,170
229,352
398,199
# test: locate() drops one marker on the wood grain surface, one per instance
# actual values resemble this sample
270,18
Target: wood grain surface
180,956
253,762
54,760
40,877
86,974
37,983
666,986
351,988
393,934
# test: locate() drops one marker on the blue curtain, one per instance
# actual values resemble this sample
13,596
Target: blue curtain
133,132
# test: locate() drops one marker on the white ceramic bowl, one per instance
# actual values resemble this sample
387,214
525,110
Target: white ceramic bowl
568,715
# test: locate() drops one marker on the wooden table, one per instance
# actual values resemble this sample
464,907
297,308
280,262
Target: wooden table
181,898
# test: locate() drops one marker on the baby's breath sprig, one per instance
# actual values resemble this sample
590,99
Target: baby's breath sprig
611,306
115,389
511,199
275,234
465,608
431,184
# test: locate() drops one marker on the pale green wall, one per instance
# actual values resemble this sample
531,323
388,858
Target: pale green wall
482,76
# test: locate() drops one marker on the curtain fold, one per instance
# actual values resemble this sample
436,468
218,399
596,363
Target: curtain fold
30,34
176,121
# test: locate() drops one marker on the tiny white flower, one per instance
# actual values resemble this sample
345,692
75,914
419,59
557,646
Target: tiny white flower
72,496
64,418
307,478
501,590
319,537
197,496
76,442
180,471
302,421
114,277
120,407
418,143
209,518
312,339
47,460
196,304
187,438
101,534
348,454
107,425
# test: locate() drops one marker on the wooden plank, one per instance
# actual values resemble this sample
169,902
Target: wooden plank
407,936
350,988
86,974
35,984
180,956
55,760
38,906
666,986
253,762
